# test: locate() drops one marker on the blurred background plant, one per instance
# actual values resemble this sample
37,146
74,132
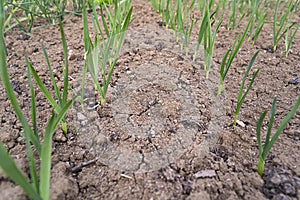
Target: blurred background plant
23,13
103,51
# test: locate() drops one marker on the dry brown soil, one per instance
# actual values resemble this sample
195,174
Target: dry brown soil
163,133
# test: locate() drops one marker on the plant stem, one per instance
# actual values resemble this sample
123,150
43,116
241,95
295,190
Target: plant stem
261,166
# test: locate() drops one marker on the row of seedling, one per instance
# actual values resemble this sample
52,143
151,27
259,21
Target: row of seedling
212,19
281,16
100,54
256,13
279,30
37,187
179,16
22,13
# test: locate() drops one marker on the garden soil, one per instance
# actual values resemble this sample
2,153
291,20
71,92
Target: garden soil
163,133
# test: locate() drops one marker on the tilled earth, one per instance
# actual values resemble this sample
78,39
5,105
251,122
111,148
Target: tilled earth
163,133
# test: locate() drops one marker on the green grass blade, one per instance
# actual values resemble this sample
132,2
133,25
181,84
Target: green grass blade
96,23
237,48
259,27
223,63
91,64
246,75
127,20
62,100
43,88
204,24
118,49
242,99
116,17
93,67
250,84
87,46
33,104
258,132
86,34
104,21
283,125
56,89
270,126
12,170
241,96
282,22
260,166
280,36
46,160
2,19
47,149
107,45
32,164
66,67
275,23
222,71
278,33
289,40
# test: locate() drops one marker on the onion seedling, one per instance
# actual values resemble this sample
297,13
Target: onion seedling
50,9
62,99
207,35
289,38
28,10
230,55
241,96
237,14
284,22
168,14
209,43
233,13
167,10
260,17
187,33
178,16
13,20
202,30
103,53
77,5
185,22
39,188
157,5
260,23
269,142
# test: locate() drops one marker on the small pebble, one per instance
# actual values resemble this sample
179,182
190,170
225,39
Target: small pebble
81,117
240,123
205,173
294,81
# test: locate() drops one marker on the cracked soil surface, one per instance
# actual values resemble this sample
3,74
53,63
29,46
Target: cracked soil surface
163,133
